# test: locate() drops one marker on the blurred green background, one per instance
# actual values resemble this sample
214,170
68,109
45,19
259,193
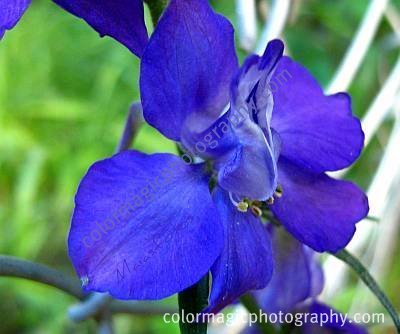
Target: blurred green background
64,96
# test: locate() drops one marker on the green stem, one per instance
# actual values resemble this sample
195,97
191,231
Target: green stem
370,282
156,8
192,301
251,305
373,219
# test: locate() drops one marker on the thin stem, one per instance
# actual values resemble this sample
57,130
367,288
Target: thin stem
373,219
156,8
14,267
132,125
251,305
90,307
141,308
370,282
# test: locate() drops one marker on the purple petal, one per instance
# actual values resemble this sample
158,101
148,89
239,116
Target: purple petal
246,260
241,142
318,210
212,143
251,94
335,326
243,158
316,273
144,226
256,69
293,279
122,20
11,12
318,132
187,67
250,89
249,169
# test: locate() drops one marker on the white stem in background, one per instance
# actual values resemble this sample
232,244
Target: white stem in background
247,23
383,241
275,23
237,323
359,47
336,272
378,194
379,110
382,104
393,17
390,222
381,246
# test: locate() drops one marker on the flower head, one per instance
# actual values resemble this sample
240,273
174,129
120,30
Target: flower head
147,226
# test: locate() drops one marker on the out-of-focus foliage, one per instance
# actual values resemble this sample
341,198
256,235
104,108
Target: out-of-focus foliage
64,95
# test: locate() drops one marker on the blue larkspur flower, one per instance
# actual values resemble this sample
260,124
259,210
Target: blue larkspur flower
147,226
121,19
294,288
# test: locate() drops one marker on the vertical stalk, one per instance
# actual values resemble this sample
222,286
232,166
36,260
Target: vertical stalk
192,301
195,298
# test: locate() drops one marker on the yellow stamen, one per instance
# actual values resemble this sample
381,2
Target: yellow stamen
256,211
278,192
242,206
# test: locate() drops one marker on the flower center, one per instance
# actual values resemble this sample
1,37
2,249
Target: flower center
255,206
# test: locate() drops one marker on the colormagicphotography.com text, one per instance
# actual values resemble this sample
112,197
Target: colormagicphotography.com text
296,319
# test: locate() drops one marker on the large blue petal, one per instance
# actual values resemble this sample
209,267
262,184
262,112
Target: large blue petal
318,210
246,260
144,226
318,132
123,20
11,12
293,279
187,67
